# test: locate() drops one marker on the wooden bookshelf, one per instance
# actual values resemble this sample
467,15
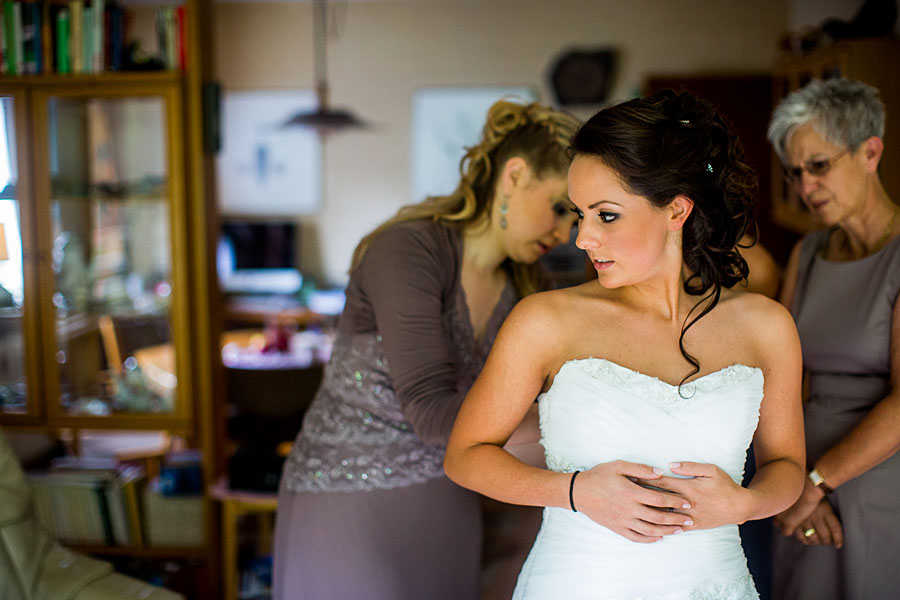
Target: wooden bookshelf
56,347
92,79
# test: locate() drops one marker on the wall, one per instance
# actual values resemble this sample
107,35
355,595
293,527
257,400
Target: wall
385,50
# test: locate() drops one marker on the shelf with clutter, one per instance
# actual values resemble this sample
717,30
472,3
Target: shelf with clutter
76,38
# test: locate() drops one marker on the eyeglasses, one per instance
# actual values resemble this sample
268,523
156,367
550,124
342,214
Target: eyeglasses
814,166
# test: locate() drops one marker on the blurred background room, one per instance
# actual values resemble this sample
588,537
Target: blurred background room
182,187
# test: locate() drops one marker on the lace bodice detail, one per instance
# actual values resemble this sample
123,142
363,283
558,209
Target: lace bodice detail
666,396
647,408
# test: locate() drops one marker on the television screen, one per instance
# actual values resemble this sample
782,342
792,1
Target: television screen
261,245
258,257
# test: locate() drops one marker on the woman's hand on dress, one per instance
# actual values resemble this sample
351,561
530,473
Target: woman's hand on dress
825,526
610,496
794,517
714,497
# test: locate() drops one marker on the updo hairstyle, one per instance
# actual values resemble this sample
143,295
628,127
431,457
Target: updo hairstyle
670,144
536,133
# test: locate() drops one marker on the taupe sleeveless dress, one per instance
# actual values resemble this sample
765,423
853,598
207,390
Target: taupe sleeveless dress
843,312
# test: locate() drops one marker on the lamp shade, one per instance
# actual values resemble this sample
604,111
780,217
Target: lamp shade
325,120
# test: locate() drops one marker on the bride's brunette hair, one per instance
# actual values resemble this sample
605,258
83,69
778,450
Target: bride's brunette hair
674,144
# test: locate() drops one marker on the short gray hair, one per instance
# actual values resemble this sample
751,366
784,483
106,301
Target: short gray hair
843,111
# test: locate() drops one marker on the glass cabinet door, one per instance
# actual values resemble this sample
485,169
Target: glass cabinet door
16,396
108,226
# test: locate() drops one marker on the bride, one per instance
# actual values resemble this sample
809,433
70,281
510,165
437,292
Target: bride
655,377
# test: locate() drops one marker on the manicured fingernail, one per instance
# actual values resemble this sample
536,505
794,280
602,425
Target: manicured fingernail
689,522
657,470
674,465
685,505
679,531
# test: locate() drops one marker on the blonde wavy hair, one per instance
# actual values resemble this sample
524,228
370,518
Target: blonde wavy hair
538,134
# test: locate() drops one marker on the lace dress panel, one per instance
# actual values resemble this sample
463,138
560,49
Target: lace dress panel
355,436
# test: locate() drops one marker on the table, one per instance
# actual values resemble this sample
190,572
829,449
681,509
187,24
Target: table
242,349
259,312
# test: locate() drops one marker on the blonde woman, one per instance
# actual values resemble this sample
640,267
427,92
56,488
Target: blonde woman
365,510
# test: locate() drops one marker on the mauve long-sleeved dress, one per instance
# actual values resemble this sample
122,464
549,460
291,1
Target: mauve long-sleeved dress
365,510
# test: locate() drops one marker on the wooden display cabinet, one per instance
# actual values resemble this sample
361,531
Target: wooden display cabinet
106,216
867,60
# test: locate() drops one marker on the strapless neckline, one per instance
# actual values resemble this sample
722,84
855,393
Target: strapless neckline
723,375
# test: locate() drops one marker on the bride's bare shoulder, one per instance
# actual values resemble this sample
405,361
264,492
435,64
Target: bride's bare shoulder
757,316
553,312
563,301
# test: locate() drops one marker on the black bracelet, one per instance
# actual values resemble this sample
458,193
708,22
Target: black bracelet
571,487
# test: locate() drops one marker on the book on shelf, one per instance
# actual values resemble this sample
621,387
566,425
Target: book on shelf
46,24
115,41
61,38
31,38
76,35
173,520
11,48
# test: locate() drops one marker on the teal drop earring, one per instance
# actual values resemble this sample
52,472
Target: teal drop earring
504,210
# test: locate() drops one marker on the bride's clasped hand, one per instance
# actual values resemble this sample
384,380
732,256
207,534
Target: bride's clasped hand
619,496
711,498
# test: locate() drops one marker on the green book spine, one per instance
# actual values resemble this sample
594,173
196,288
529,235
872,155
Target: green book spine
62,42
19,56
9,56
4,46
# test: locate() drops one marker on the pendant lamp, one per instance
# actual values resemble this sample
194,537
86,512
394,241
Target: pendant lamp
323,120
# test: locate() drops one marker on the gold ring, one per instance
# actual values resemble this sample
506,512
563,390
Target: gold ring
809,532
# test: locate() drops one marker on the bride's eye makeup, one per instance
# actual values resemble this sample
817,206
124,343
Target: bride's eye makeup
608,217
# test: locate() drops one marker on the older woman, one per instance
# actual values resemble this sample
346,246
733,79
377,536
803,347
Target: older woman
842,537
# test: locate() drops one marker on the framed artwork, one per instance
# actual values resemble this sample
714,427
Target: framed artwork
445,121
264,169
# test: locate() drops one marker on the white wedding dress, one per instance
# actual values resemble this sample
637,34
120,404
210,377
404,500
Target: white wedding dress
597,411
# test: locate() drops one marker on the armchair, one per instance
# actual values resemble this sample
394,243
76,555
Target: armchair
33,566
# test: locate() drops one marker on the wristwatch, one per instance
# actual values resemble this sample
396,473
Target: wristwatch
818,481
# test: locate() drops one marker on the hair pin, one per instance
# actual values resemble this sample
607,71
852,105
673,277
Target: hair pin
709,167
685,122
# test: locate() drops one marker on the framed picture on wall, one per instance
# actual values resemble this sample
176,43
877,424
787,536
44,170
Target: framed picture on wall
265,169
445,121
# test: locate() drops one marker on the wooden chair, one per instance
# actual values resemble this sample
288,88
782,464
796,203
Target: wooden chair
123,334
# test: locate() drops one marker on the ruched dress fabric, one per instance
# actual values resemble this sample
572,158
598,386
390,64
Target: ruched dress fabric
596,412
843,312
365,510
